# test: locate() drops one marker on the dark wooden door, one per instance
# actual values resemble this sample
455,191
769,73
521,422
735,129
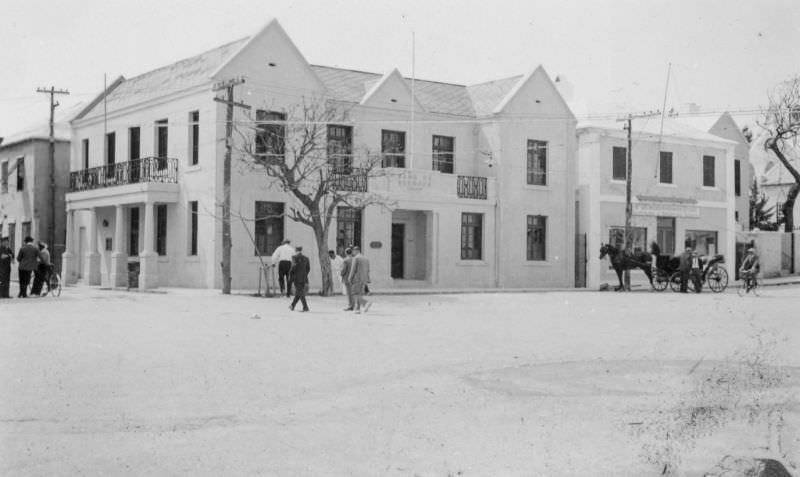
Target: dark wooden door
398,256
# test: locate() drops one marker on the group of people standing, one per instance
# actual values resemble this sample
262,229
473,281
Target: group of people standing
351,272
33,263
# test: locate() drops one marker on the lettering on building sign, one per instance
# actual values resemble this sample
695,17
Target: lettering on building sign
666,209
414,181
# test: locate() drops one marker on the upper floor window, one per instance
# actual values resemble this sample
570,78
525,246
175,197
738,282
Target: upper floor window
708,171
443,147
537,162
340,148
20,173
619,166
665,167
4,177
111,148
270,135
393,148
471,236
134,143
737,177
162,138
85,153
194,137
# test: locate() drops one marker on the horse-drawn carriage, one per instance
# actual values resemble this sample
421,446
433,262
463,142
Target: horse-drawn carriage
666,271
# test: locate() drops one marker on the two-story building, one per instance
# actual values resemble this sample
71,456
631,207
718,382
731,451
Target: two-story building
29,204
682,183
479,180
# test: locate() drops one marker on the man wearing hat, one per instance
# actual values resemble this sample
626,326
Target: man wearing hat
28,258
6,257
299,276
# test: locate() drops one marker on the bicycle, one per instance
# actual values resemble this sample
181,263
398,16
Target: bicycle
53,284
749,285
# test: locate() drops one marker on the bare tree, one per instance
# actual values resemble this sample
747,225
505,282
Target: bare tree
782,123
293,151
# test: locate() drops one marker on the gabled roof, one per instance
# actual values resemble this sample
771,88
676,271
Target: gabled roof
487,96
178,76
649,129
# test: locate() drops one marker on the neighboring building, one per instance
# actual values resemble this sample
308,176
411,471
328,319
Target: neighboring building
682,186
774,180
26,197
481,184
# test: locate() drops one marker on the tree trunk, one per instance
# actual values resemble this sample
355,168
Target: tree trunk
788,208
321,236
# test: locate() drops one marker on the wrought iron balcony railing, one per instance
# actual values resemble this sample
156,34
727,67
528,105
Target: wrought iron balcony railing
348,179
471,187
144,170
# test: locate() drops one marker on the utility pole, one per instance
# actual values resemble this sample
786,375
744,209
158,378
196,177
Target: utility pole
51,236
227,85
628,242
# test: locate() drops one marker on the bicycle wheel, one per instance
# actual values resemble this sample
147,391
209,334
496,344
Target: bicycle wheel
741,290
756,288
55,284
675,282
717,279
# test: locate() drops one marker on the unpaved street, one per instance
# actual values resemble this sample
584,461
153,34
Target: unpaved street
192,383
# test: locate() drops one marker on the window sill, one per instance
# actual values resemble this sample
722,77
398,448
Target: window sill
668,184
618,181
537,263
194,168
471,263
710,188
192,259
537,187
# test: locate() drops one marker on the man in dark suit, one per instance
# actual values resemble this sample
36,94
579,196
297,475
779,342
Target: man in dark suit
6,257
684,266
299,276
28,258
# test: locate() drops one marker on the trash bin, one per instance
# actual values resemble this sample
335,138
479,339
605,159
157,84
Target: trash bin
133,275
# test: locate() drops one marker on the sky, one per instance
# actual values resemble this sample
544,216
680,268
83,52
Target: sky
724,55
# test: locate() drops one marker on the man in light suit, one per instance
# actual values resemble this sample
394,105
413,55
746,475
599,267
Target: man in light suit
359,277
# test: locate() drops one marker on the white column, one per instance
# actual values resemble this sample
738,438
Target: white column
68,264
119,259
148,259
92,255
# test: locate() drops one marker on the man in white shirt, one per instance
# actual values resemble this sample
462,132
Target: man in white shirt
282,257
337,263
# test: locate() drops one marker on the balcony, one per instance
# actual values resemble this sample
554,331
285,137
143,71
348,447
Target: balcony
348,179
472,187
146,170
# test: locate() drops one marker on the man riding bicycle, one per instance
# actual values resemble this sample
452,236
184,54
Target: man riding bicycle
750,267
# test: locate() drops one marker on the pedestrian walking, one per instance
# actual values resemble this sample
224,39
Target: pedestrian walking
6,258
347,265
282,257
43,270
336,271
299,275
28,258
359,277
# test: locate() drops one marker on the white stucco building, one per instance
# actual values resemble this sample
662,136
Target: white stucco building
480,179
682,191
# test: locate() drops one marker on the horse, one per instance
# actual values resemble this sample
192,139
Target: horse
622,260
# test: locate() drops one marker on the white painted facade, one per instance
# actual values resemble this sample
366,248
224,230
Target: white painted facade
684,201
491,125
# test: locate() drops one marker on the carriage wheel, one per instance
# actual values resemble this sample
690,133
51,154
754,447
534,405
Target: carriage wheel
717,279
660,281
675,283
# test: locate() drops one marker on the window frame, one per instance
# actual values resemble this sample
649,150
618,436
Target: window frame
21,174
393,153
268,215
339,148
614,165
471,236
161,143
85,153
737,177
530,238
269,142
349,227
193,226
111,148
536,162
134,143
713,171
134,232
668,156
194,137
442,158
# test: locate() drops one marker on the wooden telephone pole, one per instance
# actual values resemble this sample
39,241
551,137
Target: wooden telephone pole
227,85
51,236
628,239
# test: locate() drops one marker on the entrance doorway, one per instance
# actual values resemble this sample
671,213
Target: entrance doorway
398,250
